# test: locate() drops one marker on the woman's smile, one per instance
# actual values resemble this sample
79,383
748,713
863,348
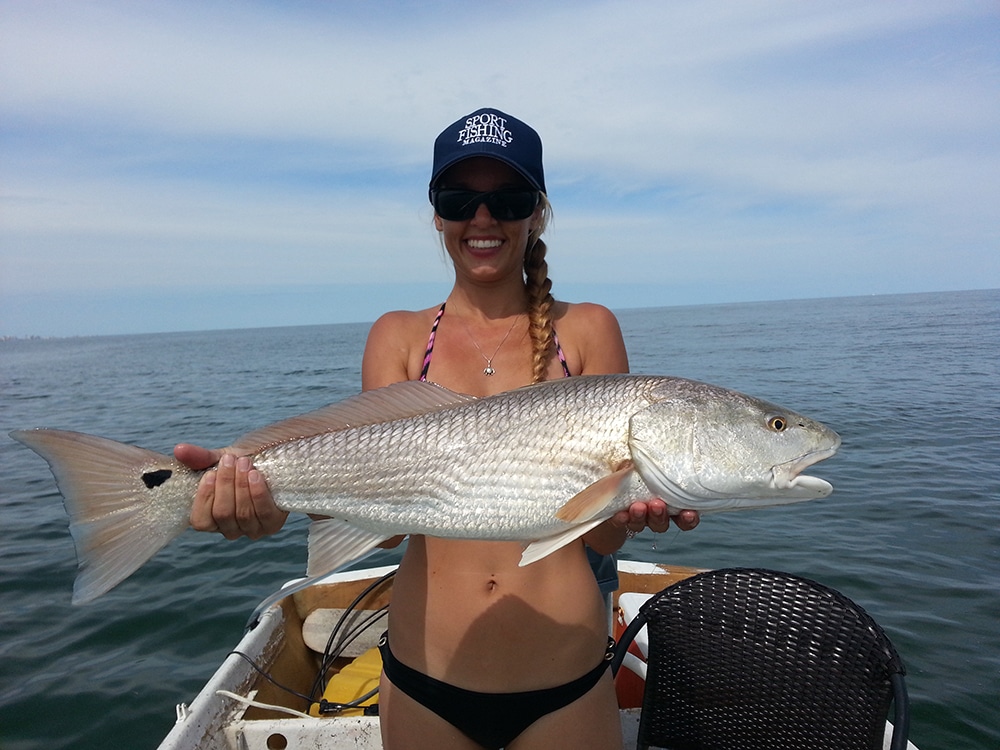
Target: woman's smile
483,247
484,244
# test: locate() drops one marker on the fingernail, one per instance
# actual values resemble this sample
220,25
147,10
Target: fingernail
243,464
228,461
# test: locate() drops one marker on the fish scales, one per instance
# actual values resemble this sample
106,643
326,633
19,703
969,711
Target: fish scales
476,466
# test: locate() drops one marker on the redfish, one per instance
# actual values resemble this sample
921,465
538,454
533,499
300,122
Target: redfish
542,464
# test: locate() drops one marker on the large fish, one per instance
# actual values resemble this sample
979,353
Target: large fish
542,464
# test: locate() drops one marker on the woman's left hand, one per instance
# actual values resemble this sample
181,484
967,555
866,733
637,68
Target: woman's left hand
656,516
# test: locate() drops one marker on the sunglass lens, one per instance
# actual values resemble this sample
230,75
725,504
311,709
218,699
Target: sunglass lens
455,205
503,205
511,205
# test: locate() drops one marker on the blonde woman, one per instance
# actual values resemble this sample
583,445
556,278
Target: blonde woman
480,652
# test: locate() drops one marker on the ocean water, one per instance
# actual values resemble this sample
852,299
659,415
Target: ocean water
911,382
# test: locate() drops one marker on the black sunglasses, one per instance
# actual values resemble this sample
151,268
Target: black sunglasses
512,204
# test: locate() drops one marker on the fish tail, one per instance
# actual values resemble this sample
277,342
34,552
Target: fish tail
125,503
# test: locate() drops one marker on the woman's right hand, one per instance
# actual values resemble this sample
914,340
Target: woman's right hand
232,499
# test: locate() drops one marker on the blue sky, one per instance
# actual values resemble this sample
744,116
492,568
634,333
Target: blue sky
200,165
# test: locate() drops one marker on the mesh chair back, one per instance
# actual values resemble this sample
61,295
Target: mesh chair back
742,658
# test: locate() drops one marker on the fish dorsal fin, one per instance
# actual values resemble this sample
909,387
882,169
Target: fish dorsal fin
590,501
397,401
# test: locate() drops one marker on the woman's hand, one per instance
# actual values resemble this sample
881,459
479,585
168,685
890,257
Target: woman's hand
654,515
612,534
233,499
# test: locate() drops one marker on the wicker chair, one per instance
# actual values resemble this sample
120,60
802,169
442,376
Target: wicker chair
746,658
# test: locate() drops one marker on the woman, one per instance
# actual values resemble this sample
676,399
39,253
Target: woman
481,652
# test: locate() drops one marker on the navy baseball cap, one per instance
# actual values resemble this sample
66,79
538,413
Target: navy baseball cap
492,133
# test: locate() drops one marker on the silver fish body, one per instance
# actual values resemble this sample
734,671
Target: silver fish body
541,464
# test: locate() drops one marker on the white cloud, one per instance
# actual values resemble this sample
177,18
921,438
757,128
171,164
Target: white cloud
240,142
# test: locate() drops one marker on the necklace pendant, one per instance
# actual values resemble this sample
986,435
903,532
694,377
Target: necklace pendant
488,371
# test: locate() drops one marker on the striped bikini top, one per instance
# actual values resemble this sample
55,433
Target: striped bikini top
430,348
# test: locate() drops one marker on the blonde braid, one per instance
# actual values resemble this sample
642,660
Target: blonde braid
540,300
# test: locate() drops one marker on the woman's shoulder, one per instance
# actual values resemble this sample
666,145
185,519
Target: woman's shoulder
591,338
395,346
404,323
584,315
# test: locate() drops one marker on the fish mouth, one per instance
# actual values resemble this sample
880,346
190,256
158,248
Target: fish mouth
788,476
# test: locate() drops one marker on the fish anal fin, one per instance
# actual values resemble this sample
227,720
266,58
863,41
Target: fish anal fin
334,543
397,401
590,501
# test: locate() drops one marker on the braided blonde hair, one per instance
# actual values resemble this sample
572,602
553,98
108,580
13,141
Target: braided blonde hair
540,300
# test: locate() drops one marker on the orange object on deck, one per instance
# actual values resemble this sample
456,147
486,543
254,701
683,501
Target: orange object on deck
628,685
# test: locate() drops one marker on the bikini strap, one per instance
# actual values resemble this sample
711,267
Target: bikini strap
559,352
430,344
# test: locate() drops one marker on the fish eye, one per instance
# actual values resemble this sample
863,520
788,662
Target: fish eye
777,423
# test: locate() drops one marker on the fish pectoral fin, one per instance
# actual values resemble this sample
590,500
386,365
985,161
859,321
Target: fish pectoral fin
334,543
587,503
543,547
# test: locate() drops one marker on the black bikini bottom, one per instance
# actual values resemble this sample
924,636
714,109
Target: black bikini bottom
491,719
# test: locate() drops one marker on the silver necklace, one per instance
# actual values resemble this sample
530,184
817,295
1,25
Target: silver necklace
488,370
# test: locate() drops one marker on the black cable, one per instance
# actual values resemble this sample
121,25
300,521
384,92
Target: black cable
329,655
270,679
319,684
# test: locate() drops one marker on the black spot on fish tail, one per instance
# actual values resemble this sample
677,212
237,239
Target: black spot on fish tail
155,478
